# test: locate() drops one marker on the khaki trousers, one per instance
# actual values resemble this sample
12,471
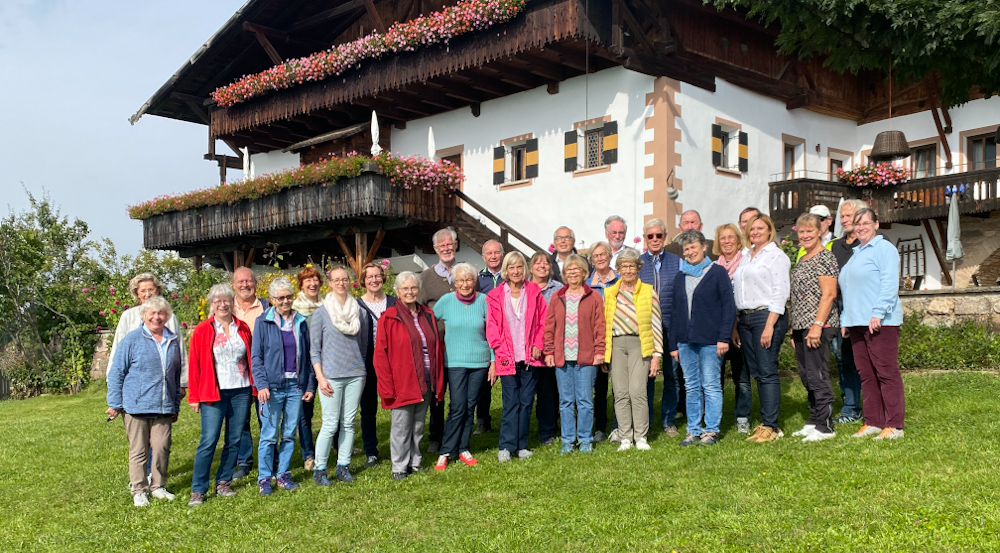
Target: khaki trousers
629,372
144,434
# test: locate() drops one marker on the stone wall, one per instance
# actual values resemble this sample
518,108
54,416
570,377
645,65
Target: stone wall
945,307
99,365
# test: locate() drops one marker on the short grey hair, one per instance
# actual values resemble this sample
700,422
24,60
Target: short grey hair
571,233
405,277
156,303
446,231
252,274
855,203
462,269
655,223
279,284
133,285
600,244
629,255
612,219
488,242
690,237
218,290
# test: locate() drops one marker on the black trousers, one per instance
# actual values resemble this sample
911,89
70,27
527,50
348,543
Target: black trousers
814,370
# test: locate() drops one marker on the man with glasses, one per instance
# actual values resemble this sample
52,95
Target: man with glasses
489,278
434,283
247,307
564,240
614,230
691,220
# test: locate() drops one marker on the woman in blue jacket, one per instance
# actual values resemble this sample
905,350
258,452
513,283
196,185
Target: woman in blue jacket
700,342
283,376
144,383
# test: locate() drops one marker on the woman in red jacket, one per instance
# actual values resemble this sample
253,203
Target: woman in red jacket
220,388
409,365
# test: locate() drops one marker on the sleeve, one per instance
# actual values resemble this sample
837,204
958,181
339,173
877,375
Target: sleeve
657,320
780,286
116,376
831,267
194,368
724,289
178,344
257,356
597,320
175,327
494,319
888,280
549,335
316,335
541,312
383,371
310,373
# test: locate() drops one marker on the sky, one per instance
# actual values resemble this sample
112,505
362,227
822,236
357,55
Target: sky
71,74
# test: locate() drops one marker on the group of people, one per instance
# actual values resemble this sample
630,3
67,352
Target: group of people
555,330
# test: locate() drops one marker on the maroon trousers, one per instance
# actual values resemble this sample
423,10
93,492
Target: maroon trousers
877,358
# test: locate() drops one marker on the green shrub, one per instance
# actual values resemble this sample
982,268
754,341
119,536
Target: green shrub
966,345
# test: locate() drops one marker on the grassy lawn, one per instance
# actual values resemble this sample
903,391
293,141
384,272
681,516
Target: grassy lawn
63,482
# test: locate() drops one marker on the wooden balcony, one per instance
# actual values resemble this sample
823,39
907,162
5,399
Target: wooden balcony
917,200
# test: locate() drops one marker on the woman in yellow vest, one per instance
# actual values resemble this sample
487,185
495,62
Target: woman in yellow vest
634,335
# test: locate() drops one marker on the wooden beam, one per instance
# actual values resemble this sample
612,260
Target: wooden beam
360,253
229,161
347,253
633,24
373,251
249,260
325,16
225,263
945,275
264,42
370,6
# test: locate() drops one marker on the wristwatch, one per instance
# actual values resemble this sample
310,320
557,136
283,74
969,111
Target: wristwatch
820,323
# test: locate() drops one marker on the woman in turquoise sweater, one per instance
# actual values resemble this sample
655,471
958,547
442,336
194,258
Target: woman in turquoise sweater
461,317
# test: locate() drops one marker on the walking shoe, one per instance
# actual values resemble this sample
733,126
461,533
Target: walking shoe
600,436
482,428
468,459
433,447
626,445
566,448
371,461
442,463
743,425
670,430
344,474
888,433
844,419
756,433
765,434
524,453
320,478
264,486
241,471
162,493
310,463
222,489
615,436
140,499
867,430
357,451
816,436
196,499
642,445
399,476
285,481
690,439
548,441
503,456
709,438
415,469
586,448
806,430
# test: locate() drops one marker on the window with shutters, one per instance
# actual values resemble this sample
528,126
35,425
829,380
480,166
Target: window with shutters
593,140
591,147
729,148
515,161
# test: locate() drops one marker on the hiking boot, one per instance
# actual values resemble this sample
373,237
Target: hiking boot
222,489
671,430
642,445
140,499
482,428
600,436
566,448
743,425
240,472
626,445
844,419
371,461
615,436
320,478
344,474
433,447
162,493
806,430
285,481
399,476
690,439
867,430
196,499
764,434
310,463
264,486
888,433
548,441
709,438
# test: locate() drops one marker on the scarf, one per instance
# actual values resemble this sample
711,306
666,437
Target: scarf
305,306
730,266
695,270
466,300
344,318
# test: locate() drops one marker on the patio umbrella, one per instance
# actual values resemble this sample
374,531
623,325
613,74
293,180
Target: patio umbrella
247,166
376,149
431,149
955,250
838,229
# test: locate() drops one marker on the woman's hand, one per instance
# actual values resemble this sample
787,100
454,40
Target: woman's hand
263,395
736,339
536,353
308,396
765,337
605,368
196,407
325,387
492,375
676,355
845,332
598,360
721,348
550,360
813,338
875,325
112,413
654,365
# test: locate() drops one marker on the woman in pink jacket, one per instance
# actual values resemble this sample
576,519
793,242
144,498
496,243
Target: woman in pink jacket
515,325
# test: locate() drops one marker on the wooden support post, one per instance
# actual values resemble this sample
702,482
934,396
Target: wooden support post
226,264
249,261
347,252
373,251
504,239
197,261
370,4
237,258
360,250
222,170
945,275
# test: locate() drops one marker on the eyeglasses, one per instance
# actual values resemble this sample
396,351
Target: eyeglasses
340,280
627,267
598,256
445,247
654,236
410,289
564,237
373,277
457,280
616,232
282,299
864,224
222,302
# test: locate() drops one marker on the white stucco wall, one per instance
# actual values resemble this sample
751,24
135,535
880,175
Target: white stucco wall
272,162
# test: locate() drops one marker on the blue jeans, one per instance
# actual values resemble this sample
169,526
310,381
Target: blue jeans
763,362
245,457
546,402
306,444
702,368
281,411
848,377
518,392
576,403
464,393
339,413
671,392
741,380
231,409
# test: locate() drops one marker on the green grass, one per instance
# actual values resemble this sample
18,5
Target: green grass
63,487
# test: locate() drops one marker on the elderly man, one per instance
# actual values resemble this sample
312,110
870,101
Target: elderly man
614,230
435,282
826,223
659,269
489,278
564,240
745,216
691,220
850,381
247,308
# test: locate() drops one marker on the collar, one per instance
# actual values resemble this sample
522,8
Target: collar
167,334
442,271
878,238
587,290
487,271
614,251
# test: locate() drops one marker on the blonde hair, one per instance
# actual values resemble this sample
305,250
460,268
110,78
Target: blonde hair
772,232
511,258
133,285
741,241
576,260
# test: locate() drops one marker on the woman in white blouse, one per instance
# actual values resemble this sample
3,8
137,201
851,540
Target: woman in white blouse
761,287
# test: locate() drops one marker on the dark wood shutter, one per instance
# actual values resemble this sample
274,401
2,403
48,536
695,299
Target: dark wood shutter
531,158
569,154
744,153
717,145
609,149
498,169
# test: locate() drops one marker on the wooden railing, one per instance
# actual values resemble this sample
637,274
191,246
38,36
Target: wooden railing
505,229
917,200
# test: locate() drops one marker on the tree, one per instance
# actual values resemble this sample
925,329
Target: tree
956,40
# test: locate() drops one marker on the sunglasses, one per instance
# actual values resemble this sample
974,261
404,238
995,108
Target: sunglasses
654,236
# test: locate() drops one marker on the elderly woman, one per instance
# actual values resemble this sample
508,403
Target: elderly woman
633,328
144,383
280,362
601,277
728,246
142,287
541,274
373,304
873,314
335,335
306,301
814,323
461,317
574,345
700,330
515,324
409,362
546,388
221,390
760,285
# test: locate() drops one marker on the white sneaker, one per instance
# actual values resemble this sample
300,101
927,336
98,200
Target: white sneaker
140,500
626,445
816,436
162,493
806,430
615,436
642,445
867,430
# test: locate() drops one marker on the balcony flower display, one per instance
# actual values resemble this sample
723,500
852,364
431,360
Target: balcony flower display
874,175
410,173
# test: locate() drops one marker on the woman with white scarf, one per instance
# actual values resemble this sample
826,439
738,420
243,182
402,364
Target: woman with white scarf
340,373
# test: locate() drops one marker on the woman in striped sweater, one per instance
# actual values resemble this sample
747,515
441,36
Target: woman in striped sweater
461,318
